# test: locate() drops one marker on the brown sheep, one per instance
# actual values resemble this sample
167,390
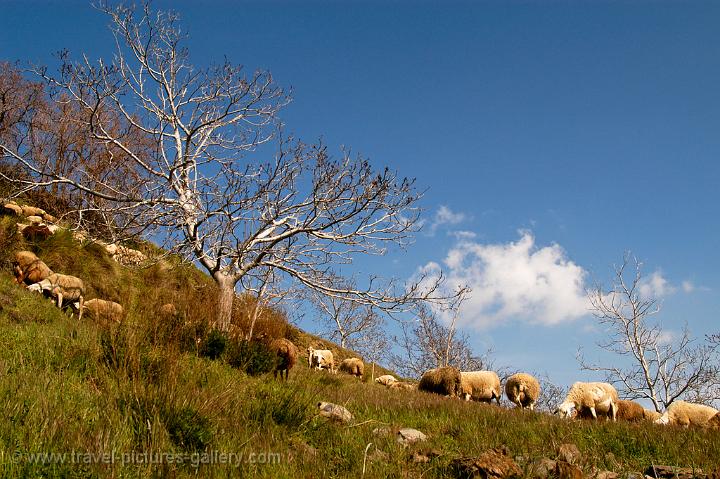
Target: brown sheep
353,366
523,390
104,310
29,269
446,381
286,353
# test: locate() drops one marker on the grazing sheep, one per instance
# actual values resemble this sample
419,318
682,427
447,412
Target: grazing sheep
32,211
322,358
353,366
12,208
481,386
714,422
523,390
446,381
596,397
386,379
630,411
650,415
63,287
286,353
687,414
29,269
402,385
104,310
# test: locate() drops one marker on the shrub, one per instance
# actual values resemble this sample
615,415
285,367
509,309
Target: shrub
252,357
214,345
188,429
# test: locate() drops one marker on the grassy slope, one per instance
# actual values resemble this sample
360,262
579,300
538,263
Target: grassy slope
78,386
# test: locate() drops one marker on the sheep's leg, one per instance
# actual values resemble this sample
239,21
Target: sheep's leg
80,309
59,299
594,414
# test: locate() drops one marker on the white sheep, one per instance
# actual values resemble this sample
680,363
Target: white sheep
386,379
523,390
480,385
322,359
63,287
687,414
596,397
104,309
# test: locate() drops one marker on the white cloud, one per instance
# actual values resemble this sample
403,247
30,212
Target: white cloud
515,281
462,235
655,286
688,286
445,216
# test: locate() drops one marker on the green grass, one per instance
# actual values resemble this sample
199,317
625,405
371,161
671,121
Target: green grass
140,389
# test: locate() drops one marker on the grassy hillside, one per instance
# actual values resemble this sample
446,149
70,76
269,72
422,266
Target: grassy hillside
81,399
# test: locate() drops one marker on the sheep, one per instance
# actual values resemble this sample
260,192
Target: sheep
402,385
523,390
714,422
28,268
63,287
286,353
105,310
595,397
480,385
322,358
386,379
353,366
13,208
650,415
446,381
32,211
687,414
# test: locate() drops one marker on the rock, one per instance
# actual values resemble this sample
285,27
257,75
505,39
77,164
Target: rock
335,412
607,475
492,464
671,472
408,435
543,468
565,470
569,453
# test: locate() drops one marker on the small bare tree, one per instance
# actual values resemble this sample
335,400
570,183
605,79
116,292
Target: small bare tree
345,322
198,180
426,343
656,366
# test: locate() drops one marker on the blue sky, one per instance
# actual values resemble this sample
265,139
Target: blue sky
551,137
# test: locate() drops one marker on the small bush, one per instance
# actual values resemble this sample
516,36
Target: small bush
214,345
252,357
288,406
188,429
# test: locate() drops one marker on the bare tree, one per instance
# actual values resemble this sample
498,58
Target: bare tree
656,366
426,343
199,181
345,322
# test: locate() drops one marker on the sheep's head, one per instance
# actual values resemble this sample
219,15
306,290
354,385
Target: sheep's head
37,287
565,409
664,419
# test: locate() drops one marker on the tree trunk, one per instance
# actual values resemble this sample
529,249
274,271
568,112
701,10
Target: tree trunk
226,295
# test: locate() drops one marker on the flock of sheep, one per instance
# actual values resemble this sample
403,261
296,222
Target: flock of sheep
590,400
583,400
64,289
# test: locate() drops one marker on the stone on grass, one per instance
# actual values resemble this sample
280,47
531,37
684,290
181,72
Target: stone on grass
335,412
